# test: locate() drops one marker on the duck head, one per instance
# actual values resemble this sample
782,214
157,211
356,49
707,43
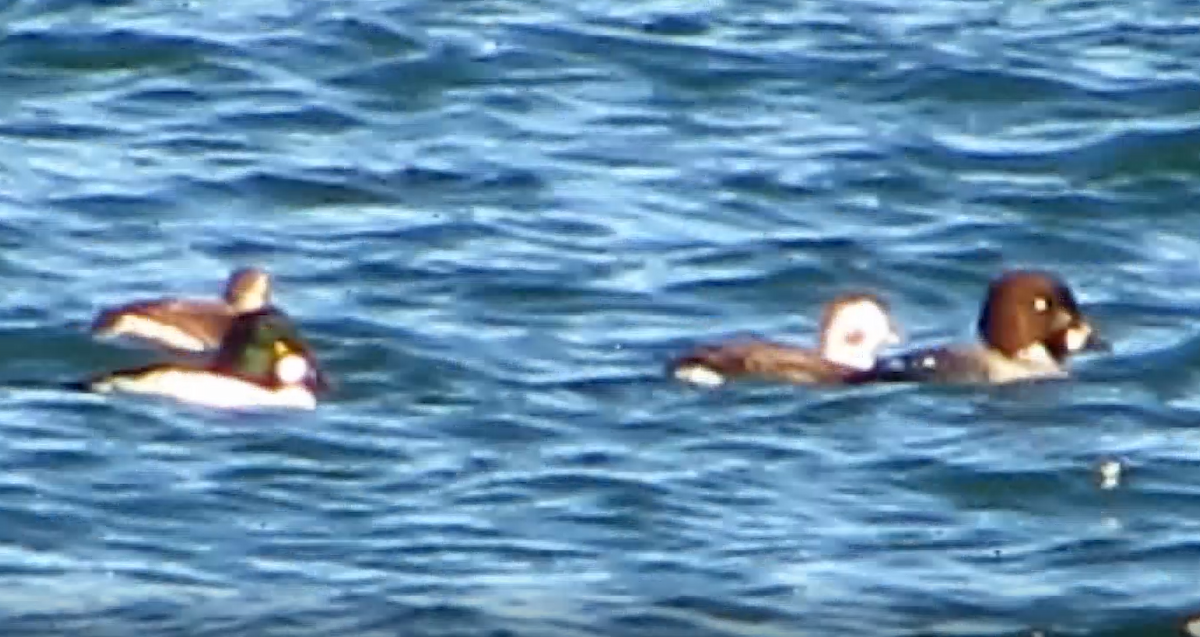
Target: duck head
855,328
266,347
248,290
1033,316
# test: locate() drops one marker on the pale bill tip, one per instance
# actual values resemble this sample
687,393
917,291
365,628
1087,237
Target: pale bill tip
1077,337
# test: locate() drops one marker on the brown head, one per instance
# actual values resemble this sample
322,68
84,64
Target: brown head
1031,314
855,328
248,290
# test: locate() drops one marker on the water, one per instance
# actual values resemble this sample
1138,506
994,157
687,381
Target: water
495,220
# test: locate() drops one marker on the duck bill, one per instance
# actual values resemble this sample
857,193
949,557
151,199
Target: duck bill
1082,338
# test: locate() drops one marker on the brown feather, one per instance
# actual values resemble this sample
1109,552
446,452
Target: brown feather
188,324
206,321
764,359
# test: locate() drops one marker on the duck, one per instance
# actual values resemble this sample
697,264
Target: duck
1028,328
187,325
854,328
261,362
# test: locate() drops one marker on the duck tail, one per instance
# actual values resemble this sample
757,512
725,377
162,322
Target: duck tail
44,384
705,367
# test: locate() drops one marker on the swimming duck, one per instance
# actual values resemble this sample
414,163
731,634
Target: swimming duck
193,325
1029,325
262,362
854,329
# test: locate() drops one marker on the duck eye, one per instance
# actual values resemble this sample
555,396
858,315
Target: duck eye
1041,304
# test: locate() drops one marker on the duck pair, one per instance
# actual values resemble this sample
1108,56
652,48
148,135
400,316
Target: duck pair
1029,325
258,358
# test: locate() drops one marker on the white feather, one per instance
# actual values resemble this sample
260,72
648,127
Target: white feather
699,375
291,369
874,325
209,389
134,325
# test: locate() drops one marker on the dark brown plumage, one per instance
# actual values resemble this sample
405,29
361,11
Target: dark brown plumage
193,325
854,327
1029,325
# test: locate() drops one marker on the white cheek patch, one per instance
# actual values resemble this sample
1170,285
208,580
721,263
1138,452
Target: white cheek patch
291,369
1077,337
141,327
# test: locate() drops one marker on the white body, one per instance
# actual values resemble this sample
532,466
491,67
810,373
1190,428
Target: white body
1032,363
700,375
209,389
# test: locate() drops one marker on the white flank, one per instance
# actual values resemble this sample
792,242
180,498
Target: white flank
699,375
1032,362
210,390
141,327
1037,355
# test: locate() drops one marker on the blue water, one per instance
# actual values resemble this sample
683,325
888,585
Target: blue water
495,220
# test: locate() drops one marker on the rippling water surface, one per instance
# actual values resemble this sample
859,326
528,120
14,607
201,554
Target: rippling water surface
496,219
